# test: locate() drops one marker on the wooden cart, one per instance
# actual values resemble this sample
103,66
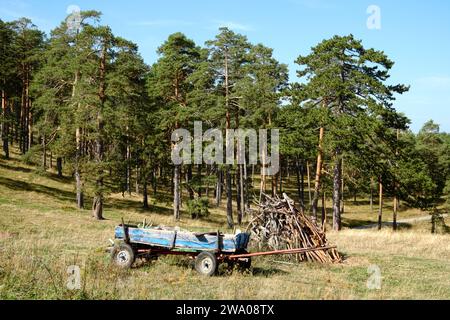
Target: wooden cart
208,249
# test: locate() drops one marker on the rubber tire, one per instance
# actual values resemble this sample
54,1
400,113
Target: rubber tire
206,264
123,256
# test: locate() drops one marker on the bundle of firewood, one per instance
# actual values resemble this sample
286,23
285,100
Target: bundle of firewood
278,225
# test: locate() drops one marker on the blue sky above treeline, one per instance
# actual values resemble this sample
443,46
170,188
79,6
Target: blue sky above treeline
414,34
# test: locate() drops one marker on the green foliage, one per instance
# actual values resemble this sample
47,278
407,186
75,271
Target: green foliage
198,208
31,154
94,84
447,195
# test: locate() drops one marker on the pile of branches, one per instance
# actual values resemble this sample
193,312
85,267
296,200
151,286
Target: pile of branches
279,225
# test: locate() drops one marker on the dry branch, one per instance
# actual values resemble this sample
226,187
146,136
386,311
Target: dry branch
278,225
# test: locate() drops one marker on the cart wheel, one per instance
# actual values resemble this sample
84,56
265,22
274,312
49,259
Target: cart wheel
123,256
206,263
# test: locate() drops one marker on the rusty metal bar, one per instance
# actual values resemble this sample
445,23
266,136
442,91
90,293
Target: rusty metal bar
287,251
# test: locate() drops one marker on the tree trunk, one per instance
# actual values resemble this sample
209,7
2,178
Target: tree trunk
154,181
23,113
274,183
27,109
238,194
59,166
337,191
380,210
342,188
44,153
144,194
78,152
241,184
433,220
97,207
262,188
219,187
301,197
208,173
229,198
4,129
79,184
30,125
318,173
228,167
371,195
239,173
309,183
281,174
246,194
136,185
176,192
128,162
199,179
253,175
324,212
188,177
394,218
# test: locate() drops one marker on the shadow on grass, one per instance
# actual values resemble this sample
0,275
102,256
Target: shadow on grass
401,226
214,219
126,204
367,224
266,272
33,187
354,223
15,168
55,177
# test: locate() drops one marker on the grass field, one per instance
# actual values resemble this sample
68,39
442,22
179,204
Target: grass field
42,234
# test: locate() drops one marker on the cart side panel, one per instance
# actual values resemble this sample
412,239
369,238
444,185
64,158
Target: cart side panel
205,242
152,237
171,239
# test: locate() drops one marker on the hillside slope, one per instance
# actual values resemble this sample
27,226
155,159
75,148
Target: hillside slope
42,234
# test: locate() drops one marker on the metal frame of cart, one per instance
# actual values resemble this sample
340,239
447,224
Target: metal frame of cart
132,244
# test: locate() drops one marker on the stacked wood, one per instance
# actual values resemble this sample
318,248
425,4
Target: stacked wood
277,224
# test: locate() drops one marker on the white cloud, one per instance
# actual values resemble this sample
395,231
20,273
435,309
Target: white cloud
163,23
14,15
233,25
11,13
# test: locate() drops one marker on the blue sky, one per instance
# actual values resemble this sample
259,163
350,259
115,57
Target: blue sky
415,34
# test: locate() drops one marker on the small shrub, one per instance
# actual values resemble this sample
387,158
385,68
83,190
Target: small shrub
198,208
30,155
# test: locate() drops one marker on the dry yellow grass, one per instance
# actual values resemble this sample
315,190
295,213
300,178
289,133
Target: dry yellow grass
42,234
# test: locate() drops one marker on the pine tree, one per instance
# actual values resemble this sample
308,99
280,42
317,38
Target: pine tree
28,43
348,82
169,84
7,68
61,94
261,92
228,55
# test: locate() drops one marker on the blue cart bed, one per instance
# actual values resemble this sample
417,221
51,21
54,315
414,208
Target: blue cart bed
208,249
183,240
